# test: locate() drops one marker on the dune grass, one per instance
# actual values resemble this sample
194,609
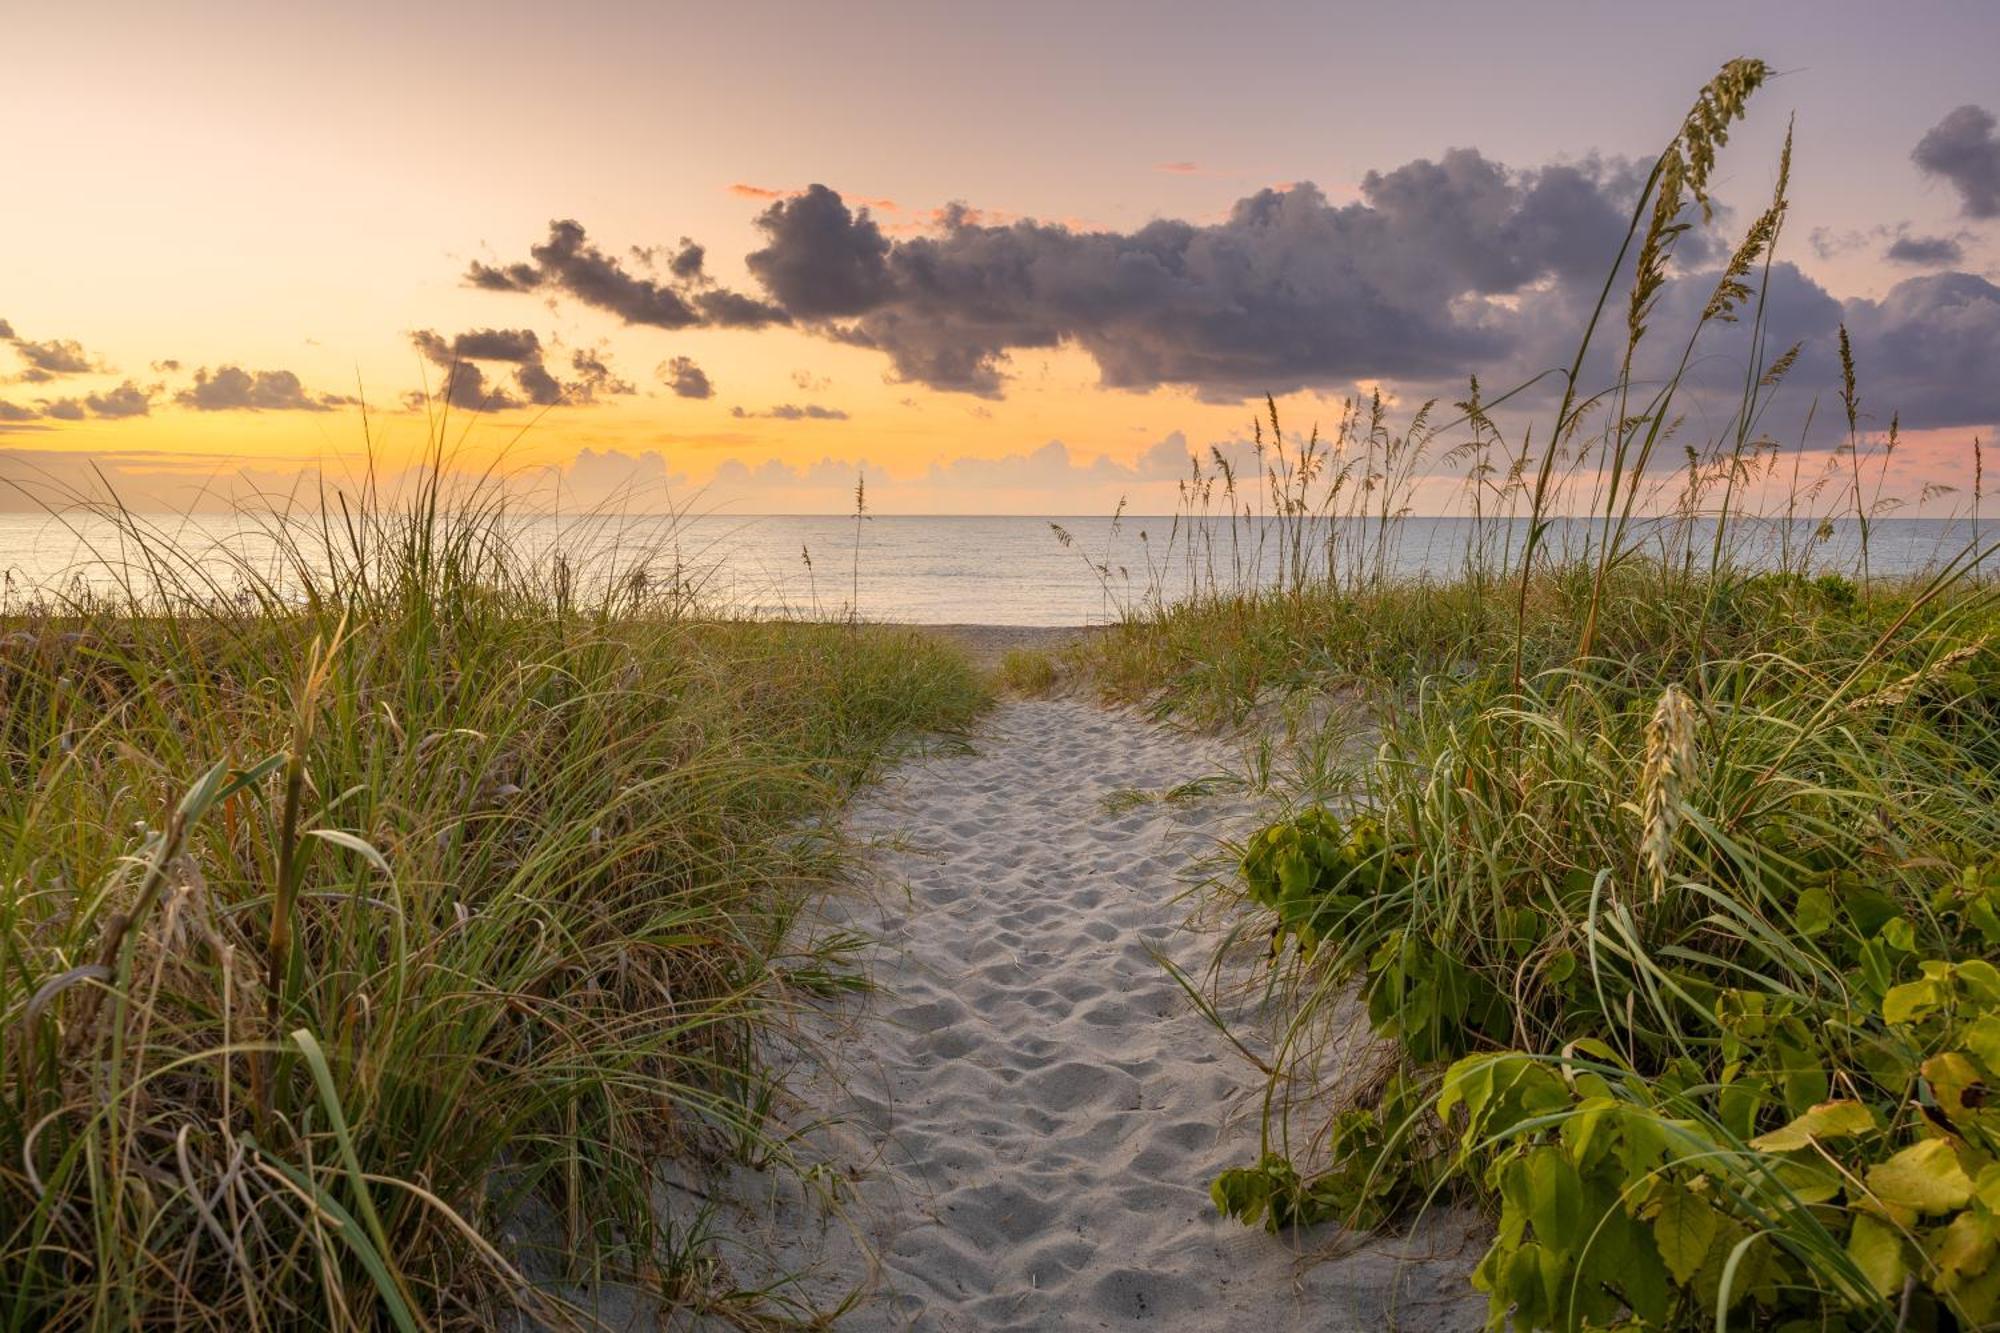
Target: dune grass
1670,877
365,910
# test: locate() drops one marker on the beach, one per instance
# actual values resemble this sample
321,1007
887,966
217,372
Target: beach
1025,1114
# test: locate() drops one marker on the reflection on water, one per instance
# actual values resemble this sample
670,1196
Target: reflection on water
931,570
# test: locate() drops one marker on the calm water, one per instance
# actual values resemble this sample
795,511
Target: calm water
934,570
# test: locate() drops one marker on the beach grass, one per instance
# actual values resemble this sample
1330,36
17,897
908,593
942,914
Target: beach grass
371,909
1670,878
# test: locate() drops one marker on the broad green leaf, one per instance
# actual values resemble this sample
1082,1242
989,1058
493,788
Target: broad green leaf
1826,1122
1876,1247
1911,1001
1956,1083
1684,1229
1925,1176
1967,1249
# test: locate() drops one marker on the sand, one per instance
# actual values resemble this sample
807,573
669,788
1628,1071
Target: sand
1024,1118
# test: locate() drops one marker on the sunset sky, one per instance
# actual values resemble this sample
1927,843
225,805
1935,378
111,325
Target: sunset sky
1018,258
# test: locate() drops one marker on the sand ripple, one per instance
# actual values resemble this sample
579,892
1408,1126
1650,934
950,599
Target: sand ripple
1027,1114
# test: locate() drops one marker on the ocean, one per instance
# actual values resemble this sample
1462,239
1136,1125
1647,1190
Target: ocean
1010,570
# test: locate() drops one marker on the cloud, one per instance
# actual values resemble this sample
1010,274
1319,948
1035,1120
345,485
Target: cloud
233,389
822,261
568,262
1288,291
685,378
1931,251
516,345
56,357
1178,168
467,387
743,190
595,376
1964,150
1927,350
794,412
127,400
15,412
6,331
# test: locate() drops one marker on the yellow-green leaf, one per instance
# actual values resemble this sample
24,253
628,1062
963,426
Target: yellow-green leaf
1966,1250
1826,1121
1925,1176
1876,1247
1683,1229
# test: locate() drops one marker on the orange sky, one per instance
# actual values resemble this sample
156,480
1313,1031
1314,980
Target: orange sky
301,191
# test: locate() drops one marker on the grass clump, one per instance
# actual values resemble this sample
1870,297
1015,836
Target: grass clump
1026,672
1673,878
365,908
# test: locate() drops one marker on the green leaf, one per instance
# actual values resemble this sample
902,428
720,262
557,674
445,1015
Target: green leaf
1555,1200
1911,1001
1684,1229
1813,912
1876,1247
1925,1176
1826,1122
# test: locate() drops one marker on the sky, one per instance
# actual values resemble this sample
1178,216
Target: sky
1022,258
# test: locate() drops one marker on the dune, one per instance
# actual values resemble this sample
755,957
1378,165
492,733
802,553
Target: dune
1022,1120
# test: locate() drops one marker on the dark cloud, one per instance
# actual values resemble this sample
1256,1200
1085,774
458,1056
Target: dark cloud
466,385
127,400
687,261
1931,251
794,412
542,389
233,389
685,378
6,331
166,367
1290,290
57,356
595,376
516,345
1964,150
15,412
822,261
569,263
1928,350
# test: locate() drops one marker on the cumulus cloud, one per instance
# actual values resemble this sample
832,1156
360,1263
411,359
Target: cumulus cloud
595,376
685,378
49,360
466,385
12,412
233,389
127,400
1439,268
793,412
1929,251
6,331
1289,291
568,262
1964,150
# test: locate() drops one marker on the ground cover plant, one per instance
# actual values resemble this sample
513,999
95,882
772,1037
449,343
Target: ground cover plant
1669,876
365,909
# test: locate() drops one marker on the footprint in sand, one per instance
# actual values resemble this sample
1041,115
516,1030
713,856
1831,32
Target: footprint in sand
1040,1107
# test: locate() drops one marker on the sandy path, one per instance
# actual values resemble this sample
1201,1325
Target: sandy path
1036,1107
